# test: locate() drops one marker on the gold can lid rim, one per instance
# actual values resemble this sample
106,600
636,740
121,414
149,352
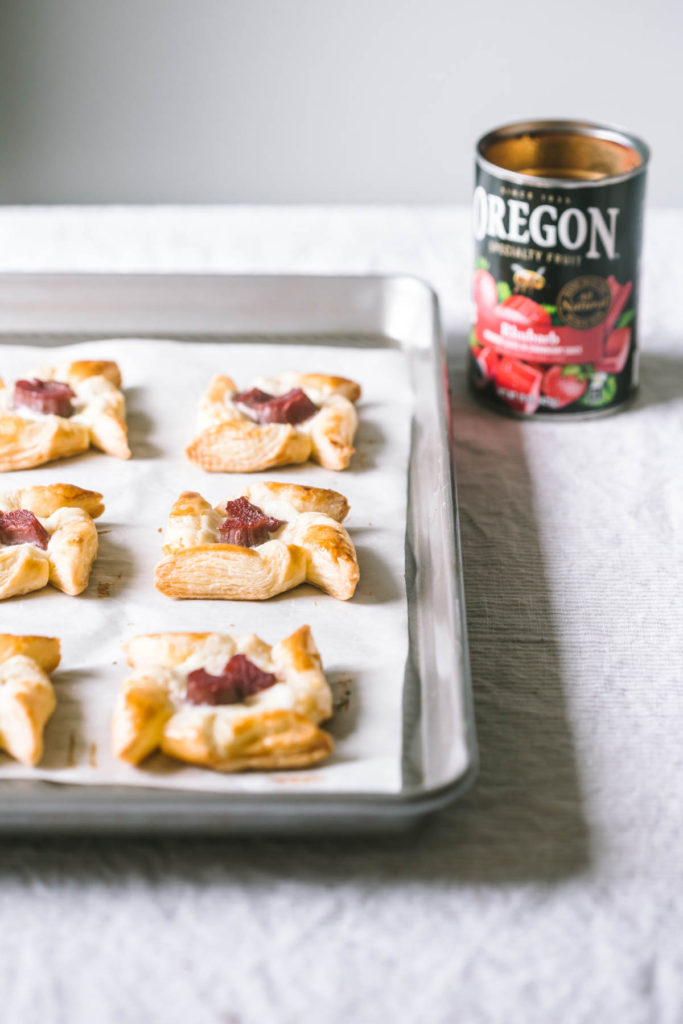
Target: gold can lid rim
592,129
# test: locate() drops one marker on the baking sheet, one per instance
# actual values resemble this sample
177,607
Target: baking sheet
363,642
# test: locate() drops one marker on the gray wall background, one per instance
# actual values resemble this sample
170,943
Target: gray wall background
314,100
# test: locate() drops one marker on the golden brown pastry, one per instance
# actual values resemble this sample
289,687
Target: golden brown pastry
280,420
27,698
270,539
47,535
224,702
60,411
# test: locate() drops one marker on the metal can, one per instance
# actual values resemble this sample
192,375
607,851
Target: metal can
558,213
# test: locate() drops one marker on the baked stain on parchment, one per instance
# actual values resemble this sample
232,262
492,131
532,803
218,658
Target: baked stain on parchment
104,586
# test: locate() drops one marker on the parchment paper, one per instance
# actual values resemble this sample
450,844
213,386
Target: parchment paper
363,642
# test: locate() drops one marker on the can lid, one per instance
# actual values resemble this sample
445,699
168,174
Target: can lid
596,153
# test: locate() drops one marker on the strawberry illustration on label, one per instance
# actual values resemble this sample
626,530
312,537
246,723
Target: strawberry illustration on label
562,387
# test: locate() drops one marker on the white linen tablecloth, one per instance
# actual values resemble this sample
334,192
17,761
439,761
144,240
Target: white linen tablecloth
552,892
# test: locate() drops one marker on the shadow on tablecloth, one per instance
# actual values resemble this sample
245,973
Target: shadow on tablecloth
523,820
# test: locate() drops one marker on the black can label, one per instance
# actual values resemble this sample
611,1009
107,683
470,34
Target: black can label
555,293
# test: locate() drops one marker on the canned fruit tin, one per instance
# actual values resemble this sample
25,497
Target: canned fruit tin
557,214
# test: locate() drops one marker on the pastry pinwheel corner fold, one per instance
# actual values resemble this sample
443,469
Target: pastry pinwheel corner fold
266,541
27,699
61,411
47,535
277,421
225,702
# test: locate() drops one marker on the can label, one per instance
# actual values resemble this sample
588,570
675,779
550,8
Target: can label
555,293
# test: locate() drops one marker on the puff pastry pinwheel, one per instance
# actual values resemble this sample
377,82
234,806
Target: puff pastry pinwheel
47,535
270,539
26,696
224,702
61,411
278,421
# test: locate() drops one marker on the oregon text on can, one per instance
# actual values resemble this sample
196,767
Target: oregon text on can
512,220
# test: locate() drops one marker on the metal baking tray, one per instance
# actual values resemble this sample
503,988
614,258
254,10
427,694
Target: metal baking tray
438,743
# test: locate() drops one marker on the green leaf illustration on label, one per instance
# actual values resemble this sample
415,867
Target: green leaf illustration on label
504,291
625,318
583,371
601,391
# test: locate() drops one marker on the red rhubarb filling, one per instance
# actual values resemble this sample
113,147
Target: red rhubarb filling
246,525
22,527
50,397
293,407
239,679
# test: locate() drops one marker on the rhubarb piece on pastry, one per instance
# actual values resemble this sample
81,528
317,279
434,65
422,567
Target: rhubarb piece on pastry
60,411
47,535
277,421
223,702
269,539
27,698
